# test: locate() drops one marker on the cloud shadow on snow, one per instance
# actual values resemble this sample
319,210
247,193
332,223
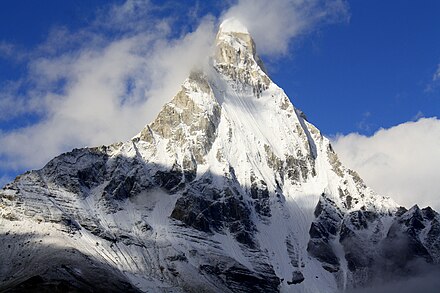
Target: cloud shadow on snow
116,181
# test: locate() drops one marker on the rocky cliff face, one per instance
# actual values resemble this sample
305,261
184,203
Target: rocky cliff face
230,189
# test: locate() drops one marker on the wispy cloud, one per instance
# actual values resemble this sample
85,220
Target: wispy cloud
104,82
418,115
436,76
14,103
11,51
6,49
274,25
364,124
435,81
401,161
100,92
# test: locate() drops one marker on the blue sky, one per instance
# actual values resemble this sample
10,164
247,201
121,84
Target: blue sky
351,66
371,72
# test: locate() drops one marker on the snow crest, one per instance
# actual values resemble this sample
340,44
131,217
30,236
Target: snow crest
233,25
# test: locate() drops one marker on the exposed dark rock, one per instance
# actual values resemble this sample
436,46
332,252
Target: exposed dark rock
70,224
239,279
77,180
318,231
429,213
323,231
169,180
318,209
400,211
260,194
323,251
91,176
178,257
189,210
330,268
120,188
297,277
213,210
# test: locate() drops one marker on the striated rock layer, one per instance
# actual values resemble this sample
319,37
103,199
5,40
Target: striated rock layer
229,189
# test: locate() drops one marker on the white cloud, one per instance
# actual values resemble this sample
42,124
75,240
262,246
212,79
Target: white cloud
104,82
274,24
7,49
402,161
434,84
364,124
436,76
102,92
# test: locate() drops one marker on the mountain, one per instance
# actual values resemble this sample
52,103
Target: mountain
229,189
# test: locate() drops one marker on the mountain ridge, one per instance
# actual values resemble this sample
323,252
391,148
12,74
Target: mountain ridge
229,189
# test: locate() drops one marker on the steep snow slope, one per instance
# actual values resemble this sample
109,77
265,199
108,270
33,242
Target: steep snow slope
230,189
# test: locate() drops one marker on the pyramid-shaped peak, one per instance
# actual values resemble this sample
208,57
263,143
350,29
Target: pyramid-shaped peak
235,48
233,25
235,45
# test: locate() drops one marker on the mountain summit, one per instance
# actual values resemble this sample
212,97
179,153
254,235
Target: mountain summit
229,189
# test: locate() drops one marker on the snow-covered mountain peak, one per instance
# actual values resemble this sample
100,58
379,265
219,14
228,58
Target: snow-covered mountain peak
229,189
236,54
233,25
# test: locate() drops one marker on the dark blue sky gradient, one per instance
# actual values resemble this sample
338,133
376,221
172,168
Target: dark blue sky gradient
380,63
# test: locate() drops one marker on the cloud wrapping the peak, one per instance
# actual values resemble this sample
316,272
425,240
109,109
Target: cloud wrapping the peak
401,162
102,83
274,24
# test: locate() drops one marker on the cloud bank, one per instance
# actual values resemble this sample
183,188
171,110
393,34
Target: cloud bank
104,82
401,162
97,94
